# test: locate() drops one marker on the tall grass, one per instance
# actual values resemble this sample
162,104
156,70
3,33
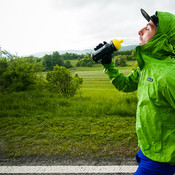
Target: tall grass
35,103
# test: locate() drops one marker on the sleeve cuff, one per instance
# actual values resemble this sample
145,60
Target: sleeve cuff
108,66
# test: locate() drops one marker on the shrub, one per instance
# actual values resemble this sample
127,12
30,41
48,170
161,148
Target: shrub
120,60
18,75
3,65
61,81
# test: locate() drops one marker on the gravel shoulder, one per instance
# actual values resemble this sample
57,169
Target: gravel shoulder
55,160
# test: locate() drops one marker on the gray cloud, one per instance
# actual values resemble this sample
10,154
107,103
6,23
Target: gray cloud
149,4
75,4
106,19
83,23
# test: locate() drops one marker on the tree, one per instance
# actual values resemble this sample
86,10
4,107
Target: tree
37,65
70,56
86,61
49,61
129,53
56,59
3,68
3,65
116,53
120,60
68,64
62,82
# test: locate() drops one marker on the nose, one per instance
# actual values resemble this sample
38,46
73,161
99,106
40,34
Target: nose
141,32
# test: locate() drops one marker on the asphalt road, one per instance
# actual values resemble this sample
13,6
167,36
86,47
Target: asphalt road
57,161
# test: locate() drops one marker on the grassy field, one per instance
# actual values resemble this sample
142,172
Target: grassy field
96,84
98,122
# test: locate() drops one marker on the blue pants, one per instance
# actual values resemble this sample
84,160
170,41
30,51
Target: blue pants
149,167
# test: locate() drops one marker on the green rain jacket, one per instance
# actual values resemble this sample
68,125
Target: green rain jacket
154,81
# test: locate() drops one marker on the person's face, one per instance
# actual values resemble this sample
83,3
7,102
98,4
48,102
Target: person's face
147,32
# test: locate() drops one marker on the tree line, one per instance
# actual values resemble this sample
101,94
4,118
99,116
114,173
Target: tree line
84,60
21,74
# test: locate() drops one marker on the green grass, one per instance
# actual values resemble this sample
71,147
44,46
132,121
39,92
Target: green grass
96,84
83,137
97,122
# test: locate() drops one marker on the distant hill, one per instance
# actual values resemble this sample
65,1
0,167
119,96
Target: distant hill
129,47
79,52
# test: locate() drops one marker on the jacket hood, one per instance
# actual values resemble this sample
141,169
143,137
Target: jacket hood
162,45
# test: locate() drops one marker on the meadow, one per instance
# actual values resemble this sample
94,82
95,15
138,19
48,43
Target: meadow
98,122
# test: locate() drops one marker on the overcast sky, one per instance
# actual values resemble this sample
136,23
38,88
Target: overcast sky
30,26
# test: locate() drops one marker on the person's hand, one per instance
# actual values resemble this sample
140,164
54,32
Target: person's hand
100,45
107,57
